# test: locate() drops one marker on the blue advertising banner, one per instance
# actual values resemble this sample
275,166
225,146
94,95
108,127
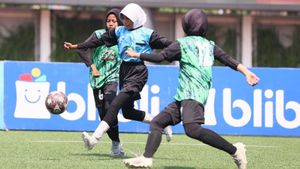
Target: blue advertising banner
1,95
270,108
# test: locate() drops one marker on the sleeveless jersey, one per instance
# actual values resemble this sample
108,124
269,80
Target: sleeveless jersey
107,62
195,76
138,40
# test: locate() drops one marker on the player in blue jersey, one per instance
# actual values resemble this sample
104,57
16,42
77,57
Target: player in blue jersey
133,72
196,56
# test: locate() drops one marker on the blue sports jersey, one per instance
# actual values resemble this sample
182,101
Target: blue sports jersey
138,40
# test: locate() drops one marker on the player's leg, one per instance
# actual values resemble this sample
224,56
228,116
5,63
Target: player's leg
113,132
193,117
153,142
157,126
90,142
109,119
103,97
209,137
110,91
133,77
130,113
112,114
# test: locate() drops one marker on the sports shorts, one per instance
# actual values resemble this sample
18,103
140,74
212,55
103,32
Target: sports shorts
186,111
133,77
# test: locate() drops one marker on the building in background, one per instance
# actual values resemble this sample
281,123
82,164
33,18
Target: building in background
260,33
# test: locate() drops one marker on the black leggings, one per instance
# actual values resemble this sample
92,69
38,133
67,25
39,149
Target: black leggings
193,130
102,107
123,100
208,137
157,125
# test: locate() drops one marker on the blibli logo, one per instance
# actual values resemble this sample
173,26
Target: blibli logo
274,112
82,107
31,91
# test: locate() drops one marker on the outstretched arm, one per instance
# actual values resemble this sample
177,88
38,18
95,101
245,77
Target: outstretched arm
109,38
153,57
82,54
227,60
69,45
85,54
93,43
170,53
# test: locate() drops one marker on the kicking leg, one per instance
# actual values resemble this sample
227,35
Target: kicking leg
130,113
153,142
108,121
209,137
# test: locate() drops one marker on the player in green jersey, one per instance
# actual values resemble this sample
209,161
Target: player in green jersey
196,56
104,66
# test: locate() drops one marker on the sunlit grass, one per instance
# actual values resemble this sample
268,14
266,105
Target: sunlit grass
55,150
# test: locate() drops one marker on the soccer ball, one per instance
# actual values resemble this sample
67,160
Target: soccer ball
56,102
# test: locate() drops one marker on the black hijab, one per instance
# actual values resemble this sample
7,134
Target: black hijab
116,12
194,23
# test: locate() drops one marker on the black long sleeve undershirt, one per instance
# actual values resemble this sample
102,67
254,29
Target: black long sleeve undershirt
173,53
109,39
224,58
158,42
85,54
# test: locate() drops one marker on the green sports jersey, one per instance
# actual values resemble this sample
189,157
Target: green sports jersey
195,76
107,61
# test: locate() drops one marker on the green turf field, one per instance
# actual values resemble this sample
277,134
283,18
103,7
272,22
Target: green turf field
64,150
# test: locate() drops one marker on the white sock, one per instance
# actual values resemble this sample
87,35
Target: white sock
148,118
101,129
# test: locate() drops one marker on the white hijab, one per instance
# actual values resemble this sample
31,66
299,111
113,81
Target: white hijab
135,13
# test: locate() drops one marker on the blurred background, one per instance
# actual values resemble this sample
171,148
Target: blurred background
259,33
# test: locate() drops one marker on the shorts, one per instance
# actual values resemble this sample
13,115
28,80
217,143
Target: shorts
187,111
133,77
108,92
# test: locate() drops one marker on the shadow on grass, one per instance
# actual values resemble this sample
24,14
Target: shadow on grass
181,167
106,156
178,167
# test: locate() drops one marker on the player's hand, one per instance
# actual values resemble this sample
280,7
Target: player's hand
131,53
95,71
68,45
252,79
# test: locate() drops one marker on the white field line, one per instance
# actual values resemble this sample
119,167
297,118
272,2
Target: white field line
172,144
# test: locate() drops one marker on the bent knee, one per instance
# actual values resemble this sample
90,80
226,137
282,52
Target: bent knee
156,125
192,130
127,115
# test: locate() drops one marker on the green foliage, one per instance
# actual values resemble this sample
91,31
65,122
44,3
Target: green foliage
72,30
19,45
291,55
229,45
270,53
56,150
